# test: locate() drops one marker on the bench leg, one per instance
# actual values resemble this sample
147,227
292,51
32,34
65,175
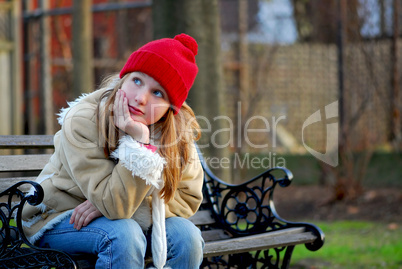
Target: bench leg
287,257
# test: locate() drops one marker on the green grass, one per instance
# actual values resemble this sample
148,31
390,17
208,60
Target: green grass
353,244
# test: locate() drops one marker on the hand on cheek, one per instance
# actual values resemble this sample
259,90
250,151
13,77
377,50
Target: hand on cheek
124,122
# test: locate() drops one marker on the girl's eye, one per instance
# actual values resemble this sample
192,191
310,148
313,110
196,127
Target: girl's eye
137,81
158,93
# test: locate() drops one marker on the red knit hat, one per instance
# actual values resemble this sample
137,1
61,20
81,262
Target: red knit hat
171,62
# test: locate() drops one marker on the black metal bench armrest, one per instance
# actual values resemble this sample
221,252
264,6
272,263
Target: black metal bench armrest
11,209
15,249
248,208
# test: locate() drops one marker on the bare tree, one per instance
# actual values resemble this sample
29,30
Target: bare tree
339,22
83,76
316,20
200,19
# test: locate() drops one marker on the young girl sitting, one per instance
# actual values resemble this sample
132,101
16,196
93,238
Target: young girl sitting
125,175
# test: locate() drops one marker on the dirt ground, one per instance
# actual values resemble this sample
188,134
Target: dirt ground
296,203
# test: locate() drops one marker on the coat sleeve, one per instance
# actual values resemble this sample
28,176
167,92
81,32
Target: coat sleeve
188,196
116,190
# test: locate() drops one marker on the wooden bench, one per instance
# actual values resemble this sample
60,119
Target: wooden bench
239,223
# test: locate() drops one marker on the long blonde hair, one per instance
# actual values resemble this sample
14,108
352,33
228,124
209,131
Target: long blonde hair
175,134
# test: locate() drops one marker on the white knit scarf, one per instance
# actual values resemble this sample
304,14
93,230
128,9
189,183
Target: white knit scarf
147,165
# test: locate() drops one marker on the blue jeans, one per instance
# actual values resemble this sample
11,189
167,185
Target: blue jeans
122,243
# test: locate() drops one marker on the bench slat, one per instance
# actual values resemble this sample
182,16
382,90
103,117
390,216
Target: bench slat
26,141
6,183
286,237
202,217
16,163
214,235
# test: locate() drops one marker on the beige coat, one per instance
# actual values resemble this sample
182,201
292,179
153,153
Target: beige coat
78,170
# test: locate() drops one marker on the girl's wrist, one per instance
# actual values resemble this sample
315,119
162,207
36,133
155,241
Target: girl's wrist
148,146
139,137
142,143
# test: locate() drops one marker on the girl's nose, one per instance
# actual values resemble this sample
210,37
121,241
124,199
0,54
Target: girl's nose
141,97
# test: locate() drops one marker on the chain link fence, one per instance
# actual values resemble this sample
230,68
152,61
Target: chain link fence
296,70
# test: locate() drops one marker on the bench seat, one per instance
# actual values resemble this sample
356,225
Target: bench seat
239,222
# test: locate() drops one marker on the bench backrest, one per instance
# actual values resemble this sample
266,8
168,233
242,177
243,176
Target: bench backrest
242,209
22,157
228,210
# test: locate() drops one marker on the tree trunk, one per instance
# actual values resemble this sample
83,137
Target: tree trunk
83,75
395,113
200,19
244,85
46,110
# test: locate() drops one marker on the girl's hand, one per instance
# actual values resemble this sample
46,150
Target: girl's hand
83,214
124,122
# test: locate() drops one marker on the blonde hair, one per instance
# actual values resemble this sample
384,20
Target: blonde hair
175,134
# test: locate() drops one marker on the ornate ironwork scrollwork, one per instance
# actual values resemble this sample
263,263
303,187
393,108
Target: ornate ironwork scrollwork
15,249
248,208
245,208
264,259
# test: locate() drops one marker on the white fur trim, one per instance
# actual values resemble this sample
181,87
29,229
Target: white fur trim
37,218
63,112
49,226
41,206
140,161
31,221
39,181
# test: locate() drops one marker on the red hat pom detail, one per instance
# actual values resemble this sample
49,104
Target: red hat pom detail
188,42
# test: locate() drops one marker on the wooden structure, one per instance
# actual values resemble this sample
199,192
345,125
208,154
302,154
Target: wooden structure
239,223
11,96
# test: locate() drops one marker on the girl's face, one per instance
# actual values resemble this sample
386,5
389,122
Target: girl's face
147,100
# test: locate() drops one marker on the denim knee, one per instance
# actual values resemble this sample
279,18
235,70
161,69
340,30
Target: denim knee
185,243
117,243
127,244
126,233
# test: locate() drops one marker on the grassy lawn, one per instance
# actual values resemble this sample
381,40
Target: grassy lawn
353,244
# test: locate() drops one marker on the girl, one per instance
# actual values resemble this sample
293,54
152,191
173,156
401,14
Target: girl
125,160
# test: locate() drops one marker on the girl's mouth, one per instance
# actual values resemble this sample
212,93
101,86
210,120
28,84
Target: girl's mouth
135,111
